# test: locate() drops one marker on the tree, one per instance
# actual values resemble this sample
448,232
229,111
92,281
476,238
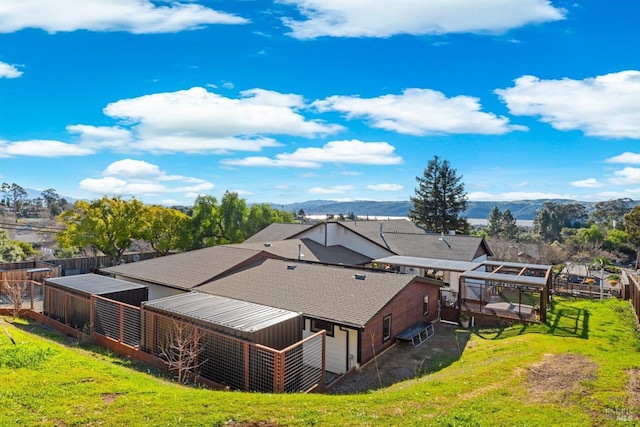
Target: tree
632,227
440,199
5,193
165,229
509,226
107,224
10,251
52,201
610,213
205,230
233,213
17,194
494,226
553,217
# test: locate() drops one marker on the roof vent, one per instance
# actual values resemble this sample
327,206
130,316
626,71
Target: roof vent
267,245
360,276
291,267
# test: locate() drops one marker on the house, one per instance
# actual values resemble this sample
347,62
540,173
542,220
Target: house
379,239
178,273
362,311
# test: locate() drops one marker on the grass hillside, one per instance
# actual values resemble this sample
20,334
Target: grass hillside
581,368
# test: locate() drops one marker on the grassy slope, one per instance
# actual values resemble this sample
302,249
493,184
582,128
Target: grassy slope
72,385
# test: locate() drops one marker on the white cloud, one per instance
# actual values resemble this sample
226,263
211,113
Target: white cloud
197,121
9,71
626,176
100,137
384,18
625,158
604,106
385,187
42,148
352,152
336,189
587,183
629,193
135,16
140,178
420,112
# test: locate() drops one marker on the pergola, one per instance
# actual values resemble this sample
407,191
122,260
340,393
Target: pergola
506,289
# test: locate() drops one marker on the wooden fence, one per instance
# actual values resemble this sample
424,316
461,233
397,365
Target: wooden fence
32,270
71,266
634,294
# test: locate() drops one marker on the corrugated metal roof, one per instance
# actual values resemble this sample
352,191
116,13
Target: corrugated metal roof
509,278
94,284
231,313
436,264
517,265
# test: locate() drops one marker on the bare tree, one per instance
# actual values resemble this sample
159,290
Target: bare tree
14,292
181,350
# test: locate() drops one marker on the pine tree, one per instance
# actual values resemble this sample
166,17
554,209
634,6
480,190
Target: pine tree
440,199
494,227
509,227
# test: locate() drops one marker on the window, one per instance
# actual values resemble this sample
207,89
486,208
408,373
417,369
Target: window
425,305
386,328
318,325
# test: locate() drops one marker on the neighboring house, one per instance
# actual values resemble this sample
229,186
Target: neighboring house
307,250
379,239
362,311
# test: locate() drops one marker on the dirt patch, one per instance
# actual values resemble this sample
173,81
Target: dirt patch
108,398
559,375
403,361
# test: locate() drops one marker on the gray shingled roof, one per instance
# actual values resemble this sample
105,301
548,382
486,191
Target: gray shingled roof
311,251
278,231
319,291
371,229
453,247
187,269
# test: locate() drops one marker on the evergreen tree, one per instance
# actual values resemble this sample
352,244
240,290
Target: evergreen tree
494,227
440,199
509,226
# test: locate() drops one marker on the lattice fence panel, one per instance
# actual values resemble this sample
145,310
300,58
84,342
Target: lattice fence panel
117,321
222,359
303,365
261,371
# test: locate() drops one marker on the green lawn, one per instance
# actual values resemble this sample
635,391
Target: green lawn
583,358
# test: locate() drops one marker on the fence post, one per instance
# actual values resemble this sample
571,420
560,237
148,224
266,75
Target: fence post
121,323
246,366
66,308
324,359
32,293
92,313
276,367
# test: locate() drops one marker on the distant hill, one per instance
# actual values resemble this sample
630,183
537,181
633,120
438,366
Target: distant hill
521,209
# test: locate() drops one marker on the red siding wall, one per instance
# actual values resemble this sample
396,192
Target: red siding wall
405,309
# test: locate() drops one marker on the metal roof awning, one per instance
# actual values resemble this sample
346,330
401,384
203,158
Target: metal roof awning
505,278
94,284
231,313
428,263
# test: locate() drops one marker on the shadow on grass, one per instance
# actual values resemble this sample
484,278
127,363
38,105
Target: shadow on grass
563,319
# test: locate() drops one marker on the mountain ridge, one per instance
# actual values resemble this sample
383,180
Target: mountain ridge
520,209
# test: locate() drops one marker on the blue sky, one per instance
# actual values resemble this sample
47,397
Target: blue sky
293,100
